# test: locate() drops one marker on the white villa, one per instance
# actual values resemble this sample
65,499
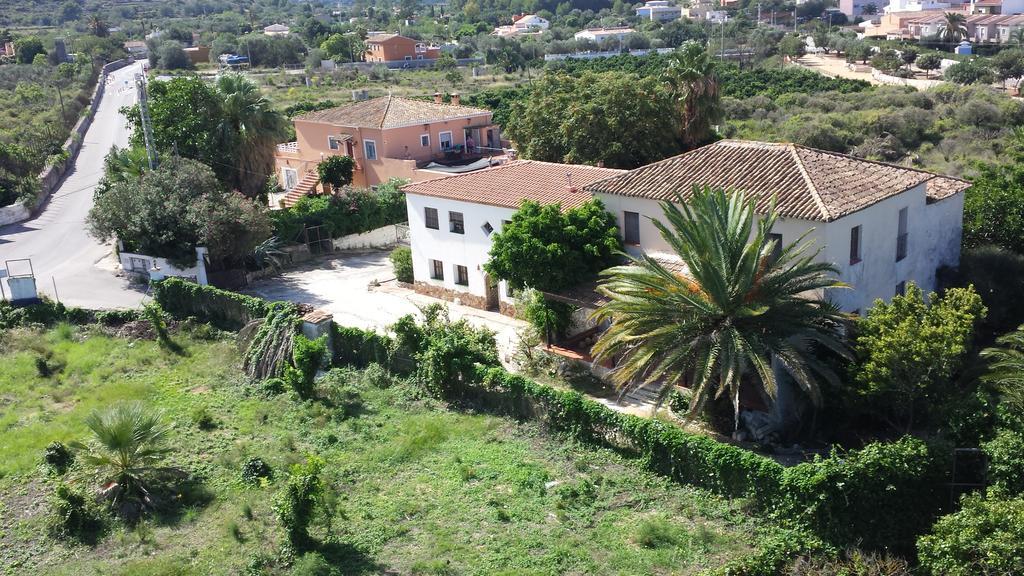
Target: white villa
599,35
658,11
523,25
881,225
451,220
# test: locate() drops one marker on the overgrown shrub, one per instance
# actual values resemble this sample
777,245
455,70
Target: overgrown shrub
401,260
548,317
446,352
74,516
311,564
839,497
984,537
116,317
359,348
270,349
58,457
1006,460
46,313
256,469
295,504
307,356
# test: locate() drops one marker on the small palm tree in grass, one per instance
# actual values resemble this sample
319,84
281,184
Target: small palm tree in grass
1006,367
126,452
742,302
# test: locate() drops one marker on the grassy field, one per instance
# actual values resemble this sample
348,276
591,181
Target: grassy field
414,488
286,89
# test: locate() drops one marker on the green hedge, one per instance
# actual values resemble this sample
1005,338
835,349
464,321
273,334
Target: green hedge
45,312
360,348
880,497
224,309
665,448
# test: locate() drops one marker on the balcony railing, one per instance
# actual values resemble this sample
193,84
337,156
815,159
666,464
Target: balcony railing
288,148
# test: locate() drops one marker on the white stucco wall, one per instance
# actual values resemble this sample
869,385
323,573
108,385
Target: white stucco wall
164,268
934,232
382,237
469,249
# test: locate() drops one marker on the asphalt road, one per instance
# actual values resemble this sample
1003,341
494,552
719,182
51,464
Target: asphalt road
63,253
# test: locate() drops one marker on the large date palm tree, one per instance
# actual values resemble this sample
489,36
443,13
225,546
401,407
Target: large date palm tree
692,80
249,131
953,28
742,302
1006,367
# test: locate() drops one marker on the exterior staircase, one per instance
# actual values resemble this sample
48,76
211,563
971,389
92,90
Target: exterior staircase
305,187
642,396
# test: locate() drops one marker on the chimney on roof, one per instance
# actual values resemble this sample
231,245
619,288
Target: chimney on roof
437,97
568,183
456,99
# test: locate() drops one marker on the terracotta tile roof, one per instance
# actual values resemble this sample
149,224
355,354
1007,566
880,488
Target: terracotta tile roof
378,38
806,183
509,184
390,112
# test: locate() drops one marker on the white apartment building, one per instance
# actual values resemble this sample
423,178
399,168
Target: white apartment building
599,35
451,220
524,24
658,11
881,225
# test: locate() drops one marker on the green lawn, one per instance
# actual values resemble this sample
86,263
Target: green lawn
414,488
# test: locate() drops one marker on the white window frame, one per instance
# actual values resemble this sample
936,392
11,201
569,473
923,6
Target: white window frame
366,148
284,174
451,140
334,143
426,138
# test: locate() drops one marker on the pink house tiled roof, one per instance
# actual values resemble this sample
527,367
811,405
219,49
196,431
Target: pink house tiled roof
390,112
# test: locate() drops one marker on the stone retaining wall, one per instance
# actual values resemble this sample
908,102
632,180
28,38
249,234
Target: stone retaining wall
463,298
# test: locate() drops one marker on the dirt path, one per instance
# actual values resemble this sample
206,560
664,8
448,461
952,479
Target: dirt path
837,68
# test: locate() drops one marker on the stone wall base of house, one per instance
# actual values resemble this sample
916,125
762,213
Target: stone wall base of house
464,298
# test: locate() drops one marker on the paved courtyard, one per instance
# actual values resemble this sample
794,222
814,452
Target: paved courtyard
343,285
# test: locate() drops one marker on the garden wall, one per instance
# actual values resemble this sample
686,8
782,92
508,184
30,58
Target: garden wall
51,176
383,237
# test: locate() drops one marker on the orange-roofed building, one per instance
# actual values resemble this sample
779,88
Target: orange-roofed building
388,137
395,48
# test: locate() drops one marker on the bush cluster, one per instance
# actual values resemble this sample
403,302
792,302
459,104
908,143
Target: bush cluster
984,537
295,504
307,357
256,469
46,312
401,259
354,211
74,516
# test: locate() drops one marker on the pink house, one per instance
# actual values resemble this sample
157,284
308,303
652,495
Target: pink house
388,137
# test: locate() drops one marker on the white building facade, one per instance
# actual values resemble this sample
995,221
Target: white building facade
599,35
452,220
881,226
658,11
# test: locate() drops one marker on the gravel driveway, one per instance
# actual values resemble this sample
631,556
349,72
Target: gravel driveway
342,285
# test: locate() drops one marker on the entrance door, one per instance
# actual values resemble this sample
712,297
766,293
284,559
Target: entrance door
492,293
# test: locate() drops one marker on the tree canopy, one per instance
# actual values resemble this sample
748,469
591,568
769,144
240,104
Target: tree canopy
910,349
169,211
229,126
994,208
616,118
545,248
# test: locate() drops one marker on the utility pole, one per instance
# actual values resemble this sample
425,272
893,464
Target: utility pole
147,128
63,113
758,12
